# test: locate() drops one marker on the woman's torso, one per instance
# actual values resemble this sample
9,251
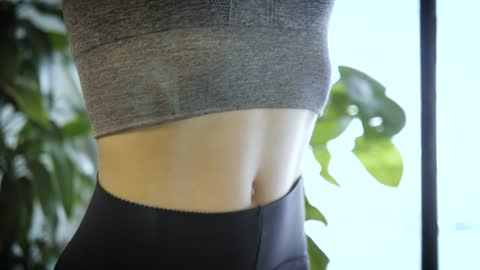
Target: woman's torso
194,103
209,163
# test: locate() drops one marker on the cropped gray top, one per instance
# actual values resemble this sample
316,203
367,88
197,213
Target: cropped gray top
145,62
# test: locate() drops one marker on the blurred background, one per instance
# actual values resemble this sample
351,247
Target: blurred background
376,227
49,159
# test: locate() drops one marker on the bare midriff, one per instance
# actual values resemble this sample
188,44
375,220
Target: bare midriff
217,162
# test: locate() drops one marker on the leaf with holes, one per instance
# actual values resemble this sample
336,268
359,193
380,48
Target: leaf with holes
370,98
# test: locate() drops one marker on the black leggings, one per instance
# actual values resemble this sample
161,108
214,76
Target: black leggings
116,233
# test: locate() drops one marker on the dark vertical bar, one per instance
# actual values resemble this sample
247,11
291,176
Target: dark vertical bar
428,46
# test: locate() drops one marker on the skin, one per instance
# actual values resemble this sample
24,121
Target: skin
217,162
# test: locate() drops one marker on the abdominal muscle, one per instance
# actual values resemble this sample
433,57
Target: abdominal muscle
218,162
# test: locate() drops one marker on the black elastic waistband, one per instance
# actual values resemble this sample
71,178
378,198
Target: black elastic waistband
118,233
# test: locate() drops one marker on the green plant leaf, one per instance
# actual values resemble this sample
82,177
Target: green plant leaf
318,259
373,104
381,159
312,213
338,101
9,65
335,119
25,194
44,188
59,41
63,169
323,156
78,126
31,103
30,140
329,128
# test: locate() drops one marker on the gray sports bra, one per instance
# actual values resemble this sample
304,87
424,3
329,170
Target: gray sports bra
145,62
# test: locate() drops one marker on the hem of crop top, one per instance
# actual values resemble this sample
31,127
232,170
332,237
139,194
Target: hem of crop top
187,115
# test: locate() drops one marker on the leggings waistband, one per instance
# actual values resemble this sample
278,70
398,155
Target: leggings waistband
115,232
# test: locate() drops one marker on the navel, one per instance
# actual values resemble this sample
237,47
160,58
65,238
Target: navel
253,202
253,189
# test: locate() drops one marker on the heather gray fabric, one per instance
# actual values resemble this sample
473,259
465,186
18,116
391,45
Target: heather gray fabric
145,62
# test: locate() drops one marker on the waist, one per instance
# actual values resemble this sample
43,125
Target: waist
218,162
